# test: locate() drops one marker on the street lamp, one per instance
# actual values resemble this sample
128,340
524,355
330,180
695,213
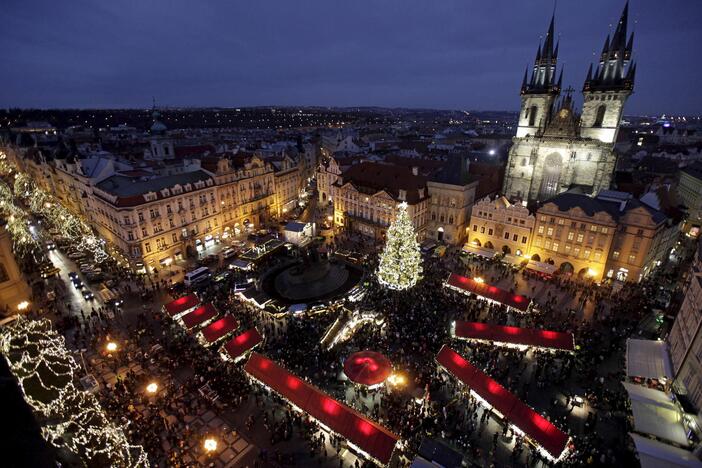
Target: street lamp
152,388
22,306
111,347
210,444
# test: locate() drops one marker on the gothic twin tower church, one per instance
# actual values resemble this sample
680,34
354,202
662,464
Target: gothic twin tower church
555,148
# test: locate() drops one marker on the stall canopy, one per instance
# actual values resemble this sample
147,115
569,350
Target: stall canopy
541,267
535,426
238,345
479,251
368,436
655,454
514,335
468,285
199,316
648,359
182,304
656,414
219,329
367,368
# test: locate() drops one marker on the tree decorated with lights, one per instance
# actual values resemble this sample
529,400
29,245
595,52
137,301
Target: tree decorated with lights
70,418
400,264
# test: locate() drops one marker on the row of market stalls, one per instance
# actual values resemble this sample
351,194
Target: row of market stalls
546,437
513,336
364,436
211,329
491,293
665,429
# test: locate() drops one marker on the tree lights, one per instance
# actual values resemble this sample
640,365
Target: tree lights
71,419
400,262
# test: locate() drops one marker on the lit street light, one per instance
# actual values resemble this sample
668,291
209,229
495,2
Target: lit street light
152,388
111,347
210,444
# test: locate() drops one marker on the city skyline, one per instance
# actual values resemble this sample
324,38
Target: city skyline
449,56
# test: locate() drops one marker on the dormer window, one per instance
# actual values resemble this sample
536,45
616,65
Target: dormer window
403,195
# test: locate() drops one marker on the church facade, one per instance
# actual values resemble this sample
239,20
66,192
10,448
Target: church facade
556,148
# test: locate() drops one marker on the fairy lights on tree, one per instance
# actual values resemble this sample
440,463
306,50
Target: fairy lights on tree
400,264
70,418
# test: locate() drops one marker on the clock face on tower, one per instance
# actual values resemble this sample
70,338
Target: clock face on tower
563,113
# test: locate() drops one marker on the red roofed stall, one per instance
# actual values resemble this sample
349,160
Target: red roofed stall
219,329
492,293
553,441
240,344
369,437
514,335
199,317
181,305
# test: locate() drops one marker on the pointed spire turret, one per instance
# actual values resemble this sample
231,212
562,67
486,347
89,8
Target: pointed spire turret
543,77
612,72
560,79
524,81
589,74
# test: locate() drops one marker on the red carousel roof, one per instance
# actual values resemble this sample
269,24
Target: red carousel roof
199,316
538,428
487,291
181,304
515,335
367,435
242,343
218,329
367,368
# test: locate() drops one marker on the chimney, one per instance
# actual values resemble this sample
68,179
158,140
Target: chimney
415,170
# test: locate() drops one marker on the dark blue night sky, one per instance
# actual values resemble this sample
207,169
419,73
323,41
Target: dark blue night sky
406,53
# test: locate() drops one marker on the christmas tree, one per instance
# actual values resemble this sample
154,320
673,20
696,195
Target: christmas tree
401,262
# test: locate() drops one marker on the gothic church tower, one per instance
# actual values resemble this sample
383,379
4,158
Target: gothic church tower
556,149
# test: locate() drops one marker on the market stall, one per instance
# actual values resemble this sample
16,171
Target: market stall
513,336
364,436
218,330
181,306
491,293
552,442
237,347
199,317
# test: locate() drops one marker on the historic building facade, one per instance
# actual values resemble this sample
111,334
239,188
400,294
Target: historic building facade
500,225
367,194
555,148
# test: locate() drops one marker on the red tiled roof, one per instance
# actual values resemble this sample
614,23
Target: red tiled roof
218,329
181,304
242,343
487,291
199,316
535,426
389,177
366,434
515,335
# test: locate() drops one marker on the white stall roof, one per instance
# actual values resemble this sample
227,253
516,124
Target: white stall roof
648,359
664,423
480,251
655,454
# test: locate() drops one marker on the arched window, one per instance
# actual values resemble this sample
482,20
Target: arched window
600,116
524,162
532,116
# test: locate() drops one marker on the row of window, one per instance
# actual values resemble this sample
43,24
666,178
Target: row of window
515,237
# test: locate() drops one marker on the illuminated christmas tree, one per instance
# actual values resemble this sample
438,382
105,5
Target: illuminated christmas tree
400,262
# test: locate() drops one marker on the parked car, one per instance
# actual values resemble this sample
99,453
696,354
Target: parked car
77,283
88,295
73,275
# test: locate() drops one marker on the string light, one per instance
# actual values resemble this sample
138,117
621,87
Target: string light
72,419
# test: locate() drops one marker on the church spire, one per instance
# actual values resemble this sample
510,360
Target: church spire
613,70
543,77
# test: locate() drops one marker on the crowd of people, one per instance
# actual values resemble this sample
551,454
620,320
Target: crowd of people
415,326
